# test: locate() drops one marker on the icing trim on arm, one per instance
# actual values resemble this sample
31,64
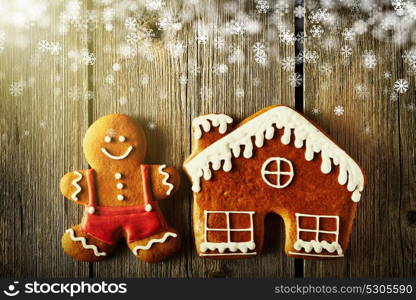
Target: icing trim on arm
83,241
153,241
165,179
263,127
117,157
217,120
78,189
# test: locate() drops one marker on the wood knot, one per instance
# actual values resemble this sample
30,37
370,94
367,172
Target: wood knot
411,218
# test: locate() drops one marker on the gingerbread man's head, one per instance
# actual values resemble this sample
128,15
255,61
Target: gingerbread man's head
114,140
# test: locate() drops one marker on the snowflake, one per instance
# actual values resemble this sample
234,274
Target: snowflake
411,107
318,15
132,38
310,56
316,31
16,89
127,51
74,93
299,12
288,63
401,86
348,34
183,79
151,126
155,4
109,79
176,49
219,43
387,75
300,37
258,47
326,68
130,24
262,6
145,80
315,111
339,110
361,90
220,69
295,80
398,6
360,27
369,59
236,56
116,67
42,124
236,28
287,37
202,38
88,58
239,92
193,68
282,8
43,46
88,95
394,97
26,132
54,48
409,57
122,100
346,51
168,22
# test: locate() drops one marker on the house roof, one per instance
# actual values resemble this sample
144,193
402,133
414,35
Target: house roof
261,127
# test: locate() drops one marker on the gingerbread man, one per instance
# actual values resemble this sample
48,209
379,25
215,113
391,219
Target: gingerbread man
120,195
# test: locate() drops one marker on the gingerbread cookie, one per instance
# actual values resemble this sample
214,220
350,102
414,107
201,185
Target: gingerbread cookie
275,161
120,195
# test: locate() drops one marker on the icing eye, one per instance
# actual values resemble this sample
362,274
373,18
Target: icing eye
107,139
122,138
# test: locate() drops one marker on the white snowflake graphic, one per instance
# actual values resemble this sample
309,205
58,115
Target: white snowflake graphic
299,12
369,59
55,48
288,63
262,6
16,89
346,51
123,100
239,92
43,46
219,69
401,86
316,111
151,126
155,4
316,31
348,34
295,80
183,79
131,24
132,38
339,110
287,37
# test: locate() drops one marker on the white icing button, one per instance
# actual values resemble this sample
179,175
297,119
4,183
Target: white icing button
148,207
122,138
117,175
120,186
107,139
120,197
91,210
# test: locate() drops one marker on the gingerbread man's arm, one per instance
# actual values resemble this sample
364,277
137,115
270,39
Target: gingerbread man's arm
165,181
74,186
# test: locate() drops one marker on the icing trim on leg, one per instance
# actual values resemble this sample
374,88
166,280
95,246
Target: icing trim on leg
83,241
154,241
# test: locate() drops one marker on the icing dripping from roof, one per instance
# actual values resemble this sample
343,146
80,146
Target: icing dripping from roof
262,127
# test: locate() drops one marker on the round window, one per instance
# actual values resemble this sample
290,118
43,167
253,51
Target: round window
277,172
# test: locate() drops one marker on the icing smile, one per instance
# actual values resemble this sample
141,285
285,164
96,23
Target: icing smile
119,157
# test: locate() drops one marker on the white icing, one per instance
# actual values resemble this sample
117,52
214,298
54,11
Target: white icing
120,186
117,157
217,120
153,241
165,179
315,244
227,254
117,176
229,245
305,133
120,197
91,210
83,241
107,139
277,173
316,255
78,189
148,207
318,246
122,138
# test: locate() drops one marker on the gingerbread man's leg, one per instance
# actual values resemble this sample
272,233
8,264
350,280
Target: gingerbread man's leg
157,247
83,247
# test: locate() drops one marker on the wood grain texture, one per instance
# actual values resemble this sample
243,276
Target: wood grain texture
43,141
371,131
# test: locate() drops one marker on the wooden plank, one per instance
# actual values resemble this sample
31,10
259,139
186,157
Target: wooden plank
369,131
407,111
41,140
149,91
223,93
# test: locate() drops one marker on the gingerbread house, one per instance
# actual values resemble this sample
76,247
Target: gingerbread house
275,161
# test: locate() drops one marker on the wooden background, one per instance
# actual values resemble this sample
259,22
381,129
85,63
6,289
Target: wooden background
42,130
